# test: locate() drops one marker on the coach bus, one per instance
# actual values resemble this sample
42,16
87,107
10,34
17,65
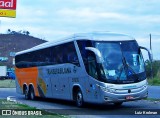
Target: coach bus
90,67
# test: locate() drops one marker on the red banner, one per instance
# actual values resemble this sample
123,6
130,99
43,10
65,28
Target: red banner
8,4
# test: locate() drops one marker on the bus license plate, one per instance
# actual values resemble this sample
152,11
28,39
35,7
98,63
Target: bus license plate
129,97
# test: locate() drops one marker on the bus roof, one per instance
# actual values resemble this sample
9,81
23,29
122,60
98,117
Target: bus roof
97,36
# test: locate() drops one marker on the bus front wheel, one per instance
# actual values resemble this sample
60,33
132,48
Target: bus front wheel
79,98
118,103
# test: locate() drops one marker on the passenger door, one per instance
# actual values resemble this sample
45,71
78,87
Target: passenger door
92,77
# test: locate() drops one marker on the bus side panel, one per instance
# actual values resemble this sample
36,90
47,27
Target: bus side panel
59,80
18,88
27,76
43,82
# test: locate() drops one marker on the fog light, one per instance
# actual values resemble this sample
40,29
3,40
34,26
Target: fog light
106,98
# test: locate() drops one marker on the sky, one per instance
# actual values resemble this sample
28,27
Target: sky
56,19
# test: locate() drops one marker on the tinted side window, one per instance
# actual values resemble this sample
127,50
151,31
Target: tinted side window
92,65
72,54
64,53
82,44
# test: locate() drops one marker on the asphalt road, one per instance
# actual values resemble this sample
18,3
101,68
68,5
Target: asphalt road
154,92
101,111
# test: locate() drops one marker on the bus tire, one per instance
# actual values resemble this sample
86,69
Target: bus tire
26,93
31,93
118,103
79,98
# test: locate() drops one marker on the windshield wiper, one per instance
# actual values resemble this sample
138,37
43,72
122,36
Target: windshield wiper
127,67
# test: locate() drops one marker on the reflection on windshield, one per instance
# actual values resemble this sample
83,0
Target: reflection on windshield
122,61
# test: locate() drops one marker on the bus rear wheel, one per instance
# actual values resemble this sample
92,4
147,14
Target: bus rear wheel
31,93
26,94
79,98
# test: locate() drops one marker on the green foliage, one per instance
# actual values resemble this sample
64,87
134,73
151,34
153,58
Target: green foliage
1,64
153,99
8,83
156,72
155,69
4,104
154,81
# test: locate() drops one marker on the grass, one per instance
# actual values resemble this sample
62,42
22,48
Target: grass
155,81
4,104
8,83
13,105
152,99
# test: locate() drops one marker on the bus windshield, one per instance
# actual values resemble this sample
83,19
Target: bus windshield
122,62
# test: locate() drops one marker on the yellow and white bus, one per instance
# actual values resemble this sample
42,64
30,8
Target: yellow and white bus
89,67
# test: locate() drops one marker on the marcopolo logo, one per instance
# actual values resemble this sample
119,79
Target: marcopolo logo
8,4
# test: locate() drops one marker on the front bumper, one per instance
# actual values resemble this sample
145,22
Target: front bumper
124,96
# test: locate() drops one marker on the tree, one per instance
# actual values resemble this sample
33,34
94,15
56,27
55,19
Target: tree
27,33
8,31
155,67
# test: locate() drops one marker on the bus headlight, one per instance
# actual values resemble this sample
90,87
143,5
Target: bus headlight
105,89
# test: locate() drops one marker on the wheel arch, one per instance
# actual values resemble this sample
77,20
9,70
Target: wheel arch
31,85
75,88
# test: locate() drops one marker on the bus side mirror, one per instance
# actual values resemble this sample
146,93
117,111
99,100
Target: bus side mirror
97,53
149,53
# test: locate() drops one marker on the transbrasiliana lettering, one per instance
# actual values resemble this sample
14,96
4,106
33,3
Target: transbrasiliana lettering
59,71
